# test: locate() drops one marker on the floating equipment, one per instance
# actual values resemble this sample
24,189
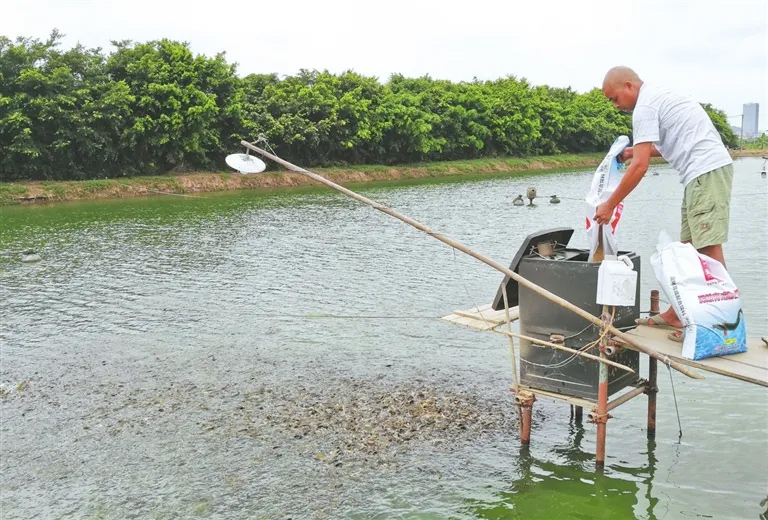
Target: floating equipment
29,256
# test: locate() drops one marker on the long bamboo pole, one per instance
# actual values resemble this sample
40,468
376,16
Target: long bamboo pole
564,349
511,341
464,249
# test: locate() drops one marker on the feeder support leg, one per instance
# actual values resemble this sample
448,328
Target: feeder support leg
577,413
525,401
601,415
653,370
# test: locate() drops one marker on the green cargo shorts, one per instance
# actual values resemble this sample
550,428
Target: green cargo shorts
706,208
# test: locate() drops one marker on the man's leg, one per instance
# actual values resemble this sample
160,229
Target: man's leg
715,252
705,215
670,316
709,204
671,319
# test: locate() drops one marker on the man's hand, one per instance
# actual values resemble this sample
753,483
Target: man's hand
641,154
603,213
626,154
629,153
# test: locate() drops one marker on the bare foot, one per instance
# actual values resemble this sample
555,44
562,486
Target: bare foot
671,318
665,320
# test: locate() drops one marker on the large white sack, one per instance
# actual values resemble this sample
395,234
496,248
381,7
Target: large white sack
704,297
604,182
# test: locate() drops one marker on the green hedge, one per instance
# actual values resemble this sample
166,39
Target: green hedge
150,108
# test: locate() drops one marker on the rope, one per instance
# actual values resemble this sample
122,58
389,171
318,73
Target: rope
568,359
677,411
466,289
733,195
261,138
491,326
345,316
509,325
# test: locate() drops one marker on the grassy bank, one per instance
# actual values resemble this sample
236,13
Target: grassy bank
51,191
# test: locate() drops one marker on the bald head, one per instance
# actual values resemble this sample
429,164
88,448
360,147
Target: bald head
619,75
622,86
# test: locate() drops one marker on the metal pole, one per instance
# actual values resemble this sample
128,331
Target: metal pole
602,397
577,413
655,303
525,401
525,426
464,249
653,370
628,396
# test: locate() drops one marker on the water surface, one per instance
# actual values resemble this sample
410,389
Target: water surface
278,355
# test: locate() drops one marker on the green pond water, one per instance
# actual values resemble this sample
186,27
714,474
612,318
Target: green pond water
280,355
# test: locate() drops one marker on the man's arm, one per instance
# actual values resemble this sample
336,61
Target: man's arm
629,152
641,157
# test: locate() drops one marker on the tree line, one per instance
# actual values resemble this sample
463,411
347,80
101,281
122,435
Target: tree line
156,107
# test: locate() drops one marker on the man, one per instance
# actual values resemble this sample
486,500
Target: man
671,126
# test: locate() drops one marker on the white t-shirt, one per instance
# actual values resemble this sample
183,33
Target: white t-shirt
681,131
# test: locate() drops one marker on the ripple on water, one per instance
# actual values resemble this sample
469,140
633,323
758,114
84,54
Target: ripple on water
218,357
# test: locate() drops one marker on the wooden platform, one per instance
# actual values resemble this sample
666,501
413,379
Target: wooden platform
751,366
482,318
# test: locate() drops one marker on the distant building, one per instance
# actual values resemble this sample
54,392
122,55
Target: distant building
751,117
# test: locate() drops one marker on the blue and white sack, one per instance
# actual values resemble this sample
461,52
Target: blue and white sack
704,297
605,180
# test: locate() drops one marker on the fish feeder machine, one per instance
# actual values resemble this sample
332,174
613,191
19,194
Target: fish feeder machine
545,259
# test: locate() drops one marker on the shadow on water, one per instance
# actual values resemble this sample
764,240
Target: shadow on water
566,485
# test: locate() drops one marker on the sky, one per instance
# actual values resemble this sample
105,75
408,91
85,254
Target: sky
713,51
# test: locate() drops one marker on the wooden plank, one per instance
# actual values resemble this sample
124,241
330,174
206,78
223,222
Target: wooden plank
500,316
482,318
750,366
575,401
589,404
476,310
487,314
471,322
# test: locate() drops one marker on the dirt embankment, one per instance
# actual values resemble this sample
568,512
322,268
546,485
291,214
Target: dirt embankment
190,183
